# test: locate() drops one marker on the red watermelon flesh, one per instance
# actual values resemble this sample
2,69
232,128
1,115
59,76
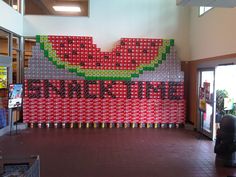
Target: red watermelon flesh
129,54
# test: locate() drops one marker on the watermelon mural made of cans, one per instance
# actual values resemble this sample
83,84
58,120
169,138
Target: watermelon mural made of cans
70,82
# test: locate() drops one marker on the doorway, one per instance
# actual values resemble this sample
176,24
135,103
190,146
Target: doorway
206,101
5,79
10,57
216,97
225,91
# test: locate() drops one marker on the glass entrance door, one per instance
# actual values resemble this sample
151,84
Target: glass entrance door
3,97
206,101
5,79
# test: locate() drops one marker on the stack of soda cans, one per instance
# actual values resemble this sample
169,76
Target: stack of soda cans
70,82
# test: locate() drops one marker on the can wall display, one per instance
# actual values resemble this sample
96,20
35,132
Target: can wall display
70,82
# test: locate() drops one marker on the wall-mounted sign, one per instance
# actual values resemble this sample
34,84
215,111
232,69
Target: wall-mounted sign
3,77
15,95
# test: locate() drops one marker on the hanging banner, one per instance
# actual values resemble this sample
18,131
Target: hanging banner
15,95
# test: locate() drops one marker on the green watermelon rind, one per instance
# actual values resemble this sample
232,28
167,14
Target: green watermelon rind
90,74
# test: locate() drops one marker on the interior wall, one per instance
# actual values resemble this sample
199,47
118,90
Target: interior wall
212,42
11,19
108,21
212,34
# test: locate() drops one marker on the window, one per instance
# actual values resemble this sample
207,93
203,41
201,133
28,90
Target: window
203,10
4,43
28,45
16,59
15,4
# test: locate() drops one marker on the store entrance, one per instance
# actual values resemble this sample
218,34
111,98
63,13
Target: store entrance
216,97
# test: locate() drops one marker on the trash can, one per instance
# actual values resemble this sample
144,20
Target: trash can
225,146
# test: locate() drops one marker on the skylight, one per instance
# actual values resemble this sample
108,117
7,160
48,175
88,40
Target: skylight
203,10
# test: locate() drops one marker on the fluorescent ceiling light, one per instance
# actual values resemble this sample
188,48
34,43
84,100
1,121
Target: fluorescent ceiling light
31,40
67,8
15,7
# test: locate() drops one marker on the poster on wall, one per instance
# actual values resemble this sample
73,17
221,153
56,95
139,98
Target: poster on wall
3,77
202,99
15,95
207,91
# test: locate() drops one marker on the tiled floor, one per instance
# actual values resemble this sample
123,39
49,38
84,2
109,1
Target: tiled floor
116,152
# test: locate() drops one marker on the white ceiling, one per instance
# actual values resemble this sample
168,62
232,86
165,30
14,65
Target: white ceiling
210,3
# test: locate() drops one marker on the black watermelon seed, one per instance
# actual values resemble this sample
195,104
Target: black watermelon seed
122,43
129,50
98,64
82,46
133,61
70,41
90,56
145,51
137,43
62,45
118,64
106,57
153,44
117,53
74,52
81,63
66,56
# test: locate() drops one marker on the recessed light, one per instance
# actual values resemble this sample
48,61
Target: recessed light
67,8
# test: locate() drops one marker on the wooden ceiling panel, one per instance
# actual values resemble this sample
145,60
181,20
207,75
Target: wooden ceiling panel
44,7
71,0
